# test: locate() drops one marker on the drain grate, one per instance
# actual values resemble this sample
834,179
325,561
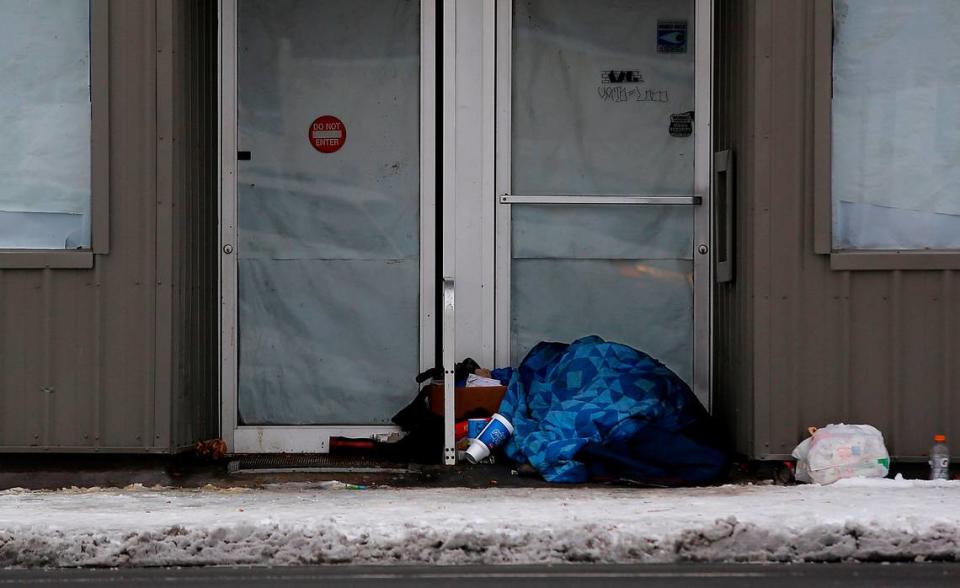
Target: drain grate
316,463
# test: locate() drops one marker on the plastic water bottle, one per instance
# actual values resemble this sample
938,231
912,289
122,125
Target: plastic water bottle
939,458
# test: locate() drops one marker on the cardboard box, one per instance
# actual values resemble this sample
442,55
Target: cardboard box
468,399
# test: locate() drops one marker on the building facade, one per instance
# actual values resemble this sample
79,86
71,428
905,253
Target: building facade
259,220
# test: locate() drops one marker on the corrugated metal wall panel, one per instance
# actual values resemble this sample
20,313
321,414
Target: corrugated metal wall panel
23,357
128,273
168,94
877,355
70,375
781,202
874,347
206,316
77,345
89,359
196,404
733,346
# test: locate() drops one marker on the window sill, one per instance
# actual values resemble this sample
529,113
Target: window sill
894,260
42,259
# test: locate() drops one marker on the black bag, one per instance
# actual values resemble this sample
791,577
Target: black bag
424,440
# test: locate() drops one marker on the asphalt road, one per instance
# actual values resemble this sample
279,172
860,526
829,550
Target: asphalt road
674,576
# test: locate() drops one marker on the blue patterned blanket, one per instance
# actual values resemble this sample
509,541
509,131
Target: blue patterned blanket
595,409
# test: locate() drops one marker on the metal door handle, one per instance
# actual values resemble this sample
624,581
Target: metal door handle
725,220
615,199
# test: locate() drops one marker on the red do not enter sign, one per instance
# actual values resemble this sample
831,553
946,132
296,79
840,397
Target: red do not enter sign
327,134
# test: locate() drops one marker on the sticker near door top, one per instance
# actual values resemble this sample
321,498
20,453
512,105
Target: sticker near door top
671,36
621,76
681,124
327,134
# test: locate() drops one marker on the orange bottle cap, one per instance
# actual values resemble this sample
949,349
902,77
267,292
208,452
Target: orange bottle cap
939,438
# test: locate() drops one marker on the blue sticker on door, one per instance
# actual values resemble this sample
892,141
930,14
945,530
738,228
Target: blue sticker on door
671,36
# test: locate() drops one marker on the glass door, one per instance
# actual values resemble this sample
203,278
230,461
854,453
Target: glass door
328,217
596,210
603,174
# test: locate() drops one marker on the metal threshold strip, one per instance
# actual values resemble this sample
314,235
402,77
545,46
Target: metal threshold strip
322,463
619,199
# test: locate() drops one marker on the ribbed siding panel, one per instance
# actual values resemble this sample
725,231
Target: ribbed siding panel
91,359
875,347
733,346
76,355
196,409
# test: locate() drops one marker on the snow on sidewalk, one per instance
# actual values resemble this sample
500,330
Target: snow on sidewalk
298,524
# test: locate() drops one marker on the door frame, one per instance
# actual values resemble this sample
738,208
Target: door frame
701,197
313,438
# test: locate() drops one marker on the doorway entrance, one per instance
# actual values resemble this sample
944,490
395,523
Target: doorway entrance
328,217
578,171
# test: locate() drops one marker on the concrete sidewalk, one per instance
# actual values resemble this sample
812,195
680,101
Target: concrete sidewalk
290,524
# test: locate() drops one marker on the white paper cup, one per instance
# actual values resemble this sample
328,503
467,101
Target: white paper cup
477,451
503,420
496,433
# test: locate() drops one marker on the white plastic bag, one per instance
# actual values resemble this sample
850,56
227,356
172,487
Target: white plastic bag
841,451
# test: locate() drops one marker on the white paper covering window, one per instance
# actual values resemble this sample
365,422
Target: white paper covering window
896,124
575,132
599,99
329,252
45,117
